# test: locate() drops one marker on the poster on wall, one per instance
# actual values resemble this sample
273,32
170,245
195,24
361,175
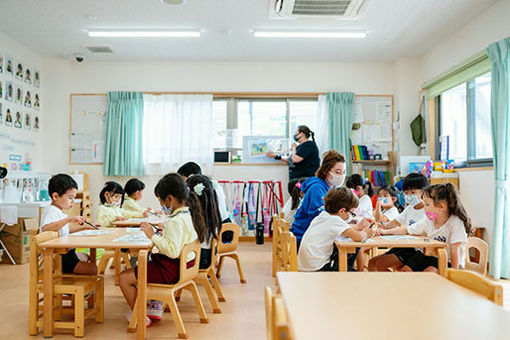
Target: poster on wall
9,65
37,78
9,90
18,98
8,116
28,99
19,70
36,124
36,101
28,123
28,75
17,123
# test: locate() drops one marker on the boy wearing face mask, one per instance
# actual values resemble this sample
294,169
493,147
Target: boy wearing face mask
110,210
317,252
413,213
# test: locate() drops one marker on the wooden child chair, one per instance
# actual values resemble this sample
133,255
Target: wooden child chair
279,226
229,249
166,292
108,255
482,249
288,254
81,287
477,283
277,323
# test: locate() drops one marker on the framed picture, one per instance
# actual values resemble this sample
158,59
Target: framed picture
36,101
9,91
17,123
9,65
18,70
258,148
36,123
28,122
28,99
37,78
28,75
8,116
18,95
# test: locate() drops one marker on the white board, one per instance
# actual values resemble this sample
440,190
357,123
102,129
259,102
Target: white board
87,128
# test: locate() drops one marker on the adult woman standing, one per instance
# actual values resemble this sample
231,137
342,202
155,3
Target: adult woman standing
304,159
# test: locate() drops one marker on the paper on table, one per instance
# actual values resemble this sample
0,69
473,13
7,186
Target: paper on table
133,238
399,237
92,232
150,219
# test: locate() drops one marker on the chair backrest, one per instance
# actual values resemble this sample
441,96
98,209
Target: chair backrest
482,249
477,283
268,299
188,274
288,258
281,328
231,246
36,256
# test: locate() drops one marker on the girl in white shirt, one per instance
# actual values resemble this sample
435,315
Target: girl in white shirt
364,190
290,207
447,221
387,208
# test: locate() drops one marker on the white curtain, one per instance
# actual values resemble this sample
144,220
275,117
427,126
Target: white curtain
322,135
177,129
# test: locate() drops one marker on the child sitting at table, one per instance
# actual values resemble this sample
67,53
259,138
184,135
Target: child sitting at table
62,189
295,193
414,212
133,193
446,221
178,231
317,251
387,207
110,209
364,190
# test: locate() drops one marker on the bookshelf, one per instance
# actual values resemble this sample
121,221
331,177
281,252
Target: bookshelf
363,167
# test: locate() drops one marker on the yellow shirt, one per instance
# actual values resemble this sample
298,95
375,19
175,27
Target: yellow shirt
177,232
131,205
106,215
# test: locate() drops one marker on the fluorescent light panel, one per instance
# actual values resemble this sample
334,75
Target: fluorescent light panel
144,34
310,34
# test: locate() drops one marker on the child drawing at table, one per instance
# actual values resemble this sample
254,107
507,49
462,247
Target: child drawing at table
173,193
132,194
317,251
110,209
364,190
62,189
447,221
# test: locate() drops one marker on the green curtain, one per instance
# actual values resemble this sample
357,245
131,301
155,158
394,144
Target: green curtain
341,112
123,142
499,54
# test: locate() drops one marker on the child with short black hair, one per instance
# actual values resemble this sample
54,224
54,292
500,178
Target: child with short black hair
317,251
364,190
111,197
387,207
133,193
62,189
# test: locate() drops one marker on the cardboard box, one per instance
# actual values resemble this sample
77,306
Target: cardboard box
17,240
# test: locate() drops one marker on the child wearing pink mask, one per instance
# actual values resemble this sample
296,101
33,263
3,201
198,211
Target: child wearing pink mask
447,221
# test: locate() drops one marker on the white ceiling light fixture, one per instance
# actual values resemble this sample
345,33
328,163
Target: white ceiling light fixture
311,34
144,34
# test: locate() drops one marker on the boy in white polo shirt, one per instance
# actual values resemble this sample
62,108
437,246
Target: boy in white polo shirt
317,245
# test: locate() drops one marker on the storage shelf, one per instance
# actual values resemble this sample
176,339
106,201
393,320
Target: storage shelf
378,162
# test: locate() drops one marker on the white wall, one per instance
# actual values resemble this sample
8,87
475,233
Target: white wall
476,187
100,77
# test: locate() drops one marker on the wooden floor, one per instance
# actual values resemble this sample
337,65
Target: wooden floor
242,316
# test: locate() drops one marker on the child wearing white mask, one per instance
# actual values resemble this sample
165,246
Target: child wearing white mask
413,213
110,210
364,190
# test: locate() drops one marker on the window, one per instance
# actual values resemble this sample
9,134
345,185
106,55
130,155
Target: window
465,118
235,118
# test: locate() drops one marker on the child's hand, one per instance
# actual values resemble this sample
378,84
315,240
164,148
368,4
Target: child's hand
145,213
88,226
120,218
364,223
147,229
77,219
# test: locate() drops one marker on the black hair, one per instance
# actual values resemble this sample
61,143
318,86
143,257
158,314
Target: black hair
356,180
448,194
113,188
197,216
393,193
189,168
133,185
172,184
415,181
307,132
209,203
294,189
60,184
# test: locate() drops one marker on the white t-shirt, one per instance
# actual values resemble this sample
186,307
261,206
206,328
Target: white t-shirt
365,208
391,213
318,241
53,214
288,212
411,216
222,202
452,231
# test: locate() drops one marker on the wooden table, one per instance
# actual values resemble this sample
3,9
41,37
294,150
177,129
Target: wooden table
100,241
136,222
393,306
429,245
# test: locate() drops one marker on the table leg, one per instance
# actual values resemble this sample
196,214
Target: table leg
48,292
116,260
342,260
442,261
142,294
93,256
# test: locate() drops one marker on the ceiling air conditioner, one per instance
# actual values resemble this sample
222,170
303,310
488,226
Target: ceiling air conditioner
295,9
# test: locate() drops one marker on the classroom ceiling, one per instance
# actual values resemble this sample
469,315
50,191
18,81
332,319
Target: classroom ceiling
396,28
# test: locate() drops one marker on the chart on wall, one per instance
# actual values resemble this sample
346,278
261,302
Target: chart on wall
87,128
20,103
373,123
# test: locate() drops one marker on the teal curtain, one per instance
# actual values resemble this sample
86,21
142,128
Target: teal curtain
341,113
499,54
124,128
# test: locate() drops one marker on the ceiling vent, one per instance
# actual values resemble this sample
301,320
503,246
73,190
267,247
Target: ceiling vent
99,49
295,9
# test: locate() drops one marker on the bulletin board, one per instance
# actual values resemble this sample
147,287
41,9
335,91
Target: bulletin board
373,123
87,125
